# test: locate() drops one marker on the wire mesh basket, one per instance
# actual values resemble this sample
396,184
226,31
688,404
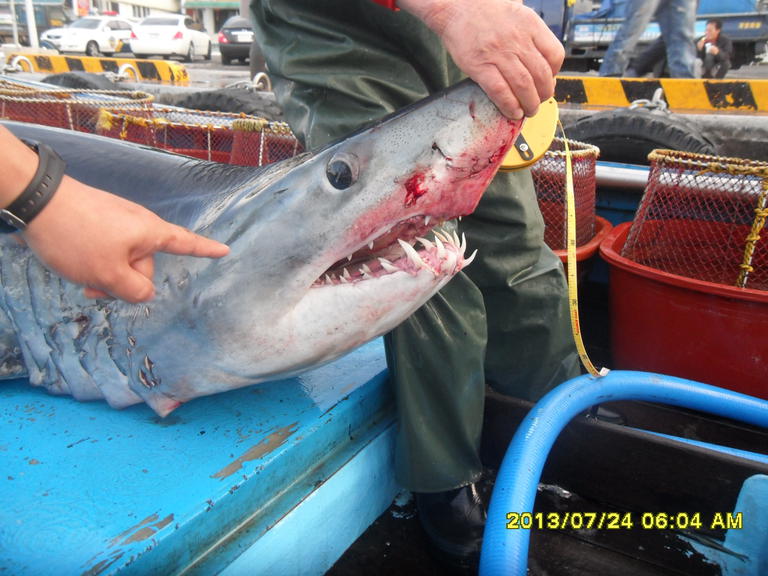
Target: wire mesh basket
701,217
70,109
217,136
549,180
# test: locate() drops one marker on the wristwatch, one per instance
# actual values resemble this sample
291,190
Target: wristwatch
47,178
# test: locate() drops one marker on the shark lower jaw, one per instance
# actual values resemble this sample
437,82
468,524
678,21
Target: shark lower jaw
400,249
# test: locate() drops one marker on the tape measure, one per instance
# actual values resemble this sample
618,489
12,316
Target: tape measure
573,292
531,144
534,139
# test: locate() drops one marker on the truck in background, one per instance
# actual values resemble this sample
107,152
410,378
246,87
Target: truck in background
48,14
587,27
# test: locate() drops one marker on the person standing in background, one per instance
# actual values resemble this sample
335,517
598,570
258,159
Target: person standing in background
676,19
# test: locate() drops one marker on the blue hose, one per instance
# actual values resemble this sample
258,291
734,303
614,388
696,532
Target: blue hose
506,551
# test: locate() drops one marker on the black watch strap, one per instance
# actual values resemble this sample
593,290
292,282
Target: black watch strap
47,178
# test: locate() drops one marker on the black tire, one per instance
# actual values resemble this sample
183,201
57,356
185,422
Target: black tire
80,80
629,135
235,100
209,51
226,60
92,48
190,52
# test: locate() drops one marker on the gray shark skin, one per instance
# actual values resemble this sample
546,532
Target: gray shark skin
315,267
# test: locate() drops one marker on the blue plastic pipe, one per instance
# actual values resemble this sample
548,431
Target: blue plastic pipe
505,552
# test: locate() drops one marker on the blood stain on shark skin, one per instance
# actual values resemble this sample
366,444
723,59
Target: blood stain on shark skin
414,189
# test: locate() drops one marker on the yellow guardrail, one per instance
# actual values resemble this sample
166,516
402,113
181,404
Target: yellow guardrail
161,71
681,95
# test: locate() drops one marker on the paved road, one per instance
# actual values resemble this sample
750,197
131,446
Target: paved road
213,74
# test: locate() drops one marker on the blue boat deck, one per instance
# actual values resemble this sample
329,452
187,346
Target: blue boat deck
277,478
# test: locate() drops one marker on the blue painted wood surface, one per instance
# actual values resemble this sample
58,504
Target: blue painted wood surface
85,489
309,540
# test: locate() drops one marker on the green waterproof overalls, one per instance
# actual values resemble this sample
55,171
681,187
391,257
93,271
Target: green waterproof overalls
337,65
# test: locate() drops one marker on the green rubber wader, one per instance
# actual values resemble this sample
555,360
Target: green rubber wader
338,65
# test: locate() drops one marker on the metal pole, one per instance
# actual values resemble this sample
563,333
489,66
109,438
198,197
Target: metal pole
14,24
31,24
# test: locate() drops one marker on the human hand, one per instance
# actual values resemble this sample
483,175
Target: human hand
502,45
107,243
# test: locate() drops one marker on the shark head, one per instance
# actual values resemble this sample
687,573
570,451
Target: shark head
327,251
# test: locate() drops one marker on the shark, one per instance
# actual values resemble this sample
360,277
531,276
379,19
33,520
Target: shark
328,250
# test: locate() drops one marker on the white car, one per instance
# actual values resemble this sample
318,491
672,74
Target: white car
92,35
170,35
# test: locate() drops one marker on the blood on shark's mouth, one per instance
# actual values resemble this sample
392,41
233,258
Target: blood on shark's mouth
401,249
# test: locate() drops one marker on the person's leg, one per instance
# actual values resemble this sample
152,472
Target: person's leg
723,65
677,19
638,14
530,348
708,66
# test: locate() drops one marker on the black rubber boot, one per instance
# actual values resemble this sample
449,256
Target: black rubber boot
454,522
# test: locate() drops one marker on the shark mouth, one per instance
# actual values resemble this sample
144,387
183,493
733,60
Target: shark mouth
401,248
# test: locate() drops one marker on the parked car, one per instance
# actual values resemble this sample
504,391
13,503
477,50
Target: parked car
170,35
235,39
92,35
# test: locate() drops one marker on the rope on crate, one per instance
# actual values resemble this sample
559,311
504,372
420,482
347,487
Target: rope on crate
761,212
117,97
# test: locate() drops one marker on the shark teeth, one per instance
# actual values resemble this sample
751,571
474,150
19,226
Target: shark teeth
411,253
442,255
388,266
439,247
426,243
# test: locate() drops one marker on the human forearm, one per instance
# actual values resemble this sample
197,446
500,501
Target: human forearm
17,166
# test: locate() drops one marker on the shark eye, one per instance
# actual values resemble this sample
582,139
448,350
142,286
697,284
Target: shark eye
342,171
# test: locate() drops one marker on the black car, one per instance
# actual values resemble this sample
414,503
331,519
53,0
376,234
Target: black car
235,39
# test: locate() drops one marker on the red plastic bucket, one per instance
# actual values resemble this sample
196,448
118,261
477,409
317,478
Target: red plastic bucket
670,324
